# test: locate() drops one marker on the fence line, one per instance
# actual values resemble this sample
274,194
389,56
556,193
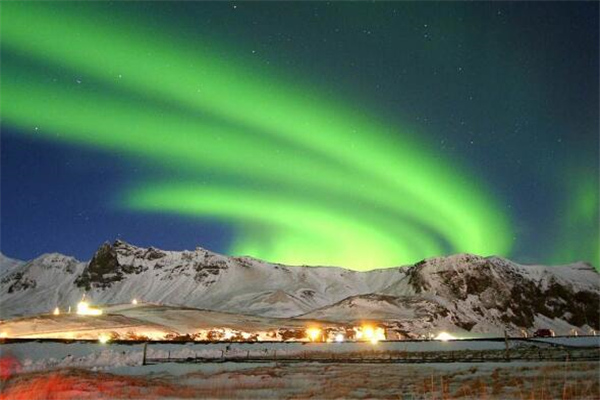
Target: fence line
533,355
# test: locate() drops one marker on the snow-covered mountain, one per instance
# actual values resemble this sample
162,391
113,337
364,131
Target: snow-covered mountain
7,264
476,294
40,285
203,279
462,292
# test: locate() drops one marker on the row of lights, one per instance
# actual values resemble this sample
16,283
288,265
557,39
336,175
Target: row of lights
84,308
364,333
367,333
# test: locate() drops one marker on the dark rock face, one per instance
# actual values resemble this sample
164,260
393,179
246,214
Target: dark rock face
25,279
526,299
18,282
518,298
416,279
207,274
208,270
154,254
113,263
104,269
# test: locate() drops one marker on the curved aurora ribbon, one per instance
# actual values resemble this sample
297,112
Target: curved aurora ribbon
317,162
314,232
84,121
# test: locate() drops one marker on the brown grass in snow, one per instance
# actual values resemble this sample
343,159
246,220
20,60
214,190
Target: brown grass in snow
558,381
72,384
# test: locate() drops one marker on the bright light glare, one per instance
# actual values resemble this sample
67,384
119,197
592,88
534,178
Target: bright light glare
339,338
371,334
56,311
314,334
134,301
83,308
444,337
103,338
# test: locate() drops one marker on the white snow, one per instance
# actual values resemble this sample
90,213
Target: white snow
7,264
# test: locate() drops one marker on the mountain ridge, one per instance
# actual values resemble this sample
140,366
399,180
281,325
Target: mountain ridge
463,291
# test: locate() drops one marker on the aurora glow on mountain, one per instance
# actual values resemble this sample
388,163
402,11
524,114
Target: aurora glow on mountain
356,134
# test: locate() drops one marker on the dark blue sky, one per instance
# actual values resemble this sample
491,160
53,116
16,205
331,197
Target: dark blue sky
508,90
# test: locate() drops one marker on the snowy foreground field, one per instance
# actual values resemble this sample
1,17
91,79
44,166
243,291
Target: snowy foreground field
54,370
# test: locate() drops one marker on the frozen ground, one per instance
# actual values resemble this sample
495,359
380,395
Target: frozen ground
317,381
52,370
39,356
36,356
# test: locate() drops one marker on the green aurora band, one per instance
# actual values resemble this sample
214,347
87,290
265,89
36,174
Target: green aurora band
580,215
303,177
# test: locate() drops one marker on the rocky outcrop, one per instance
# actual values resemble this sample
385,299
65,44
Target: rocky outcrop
105,268
516,294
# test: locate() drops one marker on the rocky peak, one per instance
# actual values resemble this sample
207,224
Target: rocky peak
460,275
124,248
115,262
516,292
54,260
106,267
25,275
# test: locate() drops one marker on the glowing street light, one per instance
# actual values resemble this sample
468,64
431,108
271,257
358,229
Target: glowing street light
103,338
314,334
339,338
134,302
444,337
371,334
83,308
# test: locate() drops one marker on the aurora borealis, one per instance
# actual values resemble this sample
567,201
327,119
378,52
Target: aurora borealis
265,159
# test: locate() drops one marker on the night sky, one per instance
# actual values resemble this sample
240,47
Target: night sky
356,134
